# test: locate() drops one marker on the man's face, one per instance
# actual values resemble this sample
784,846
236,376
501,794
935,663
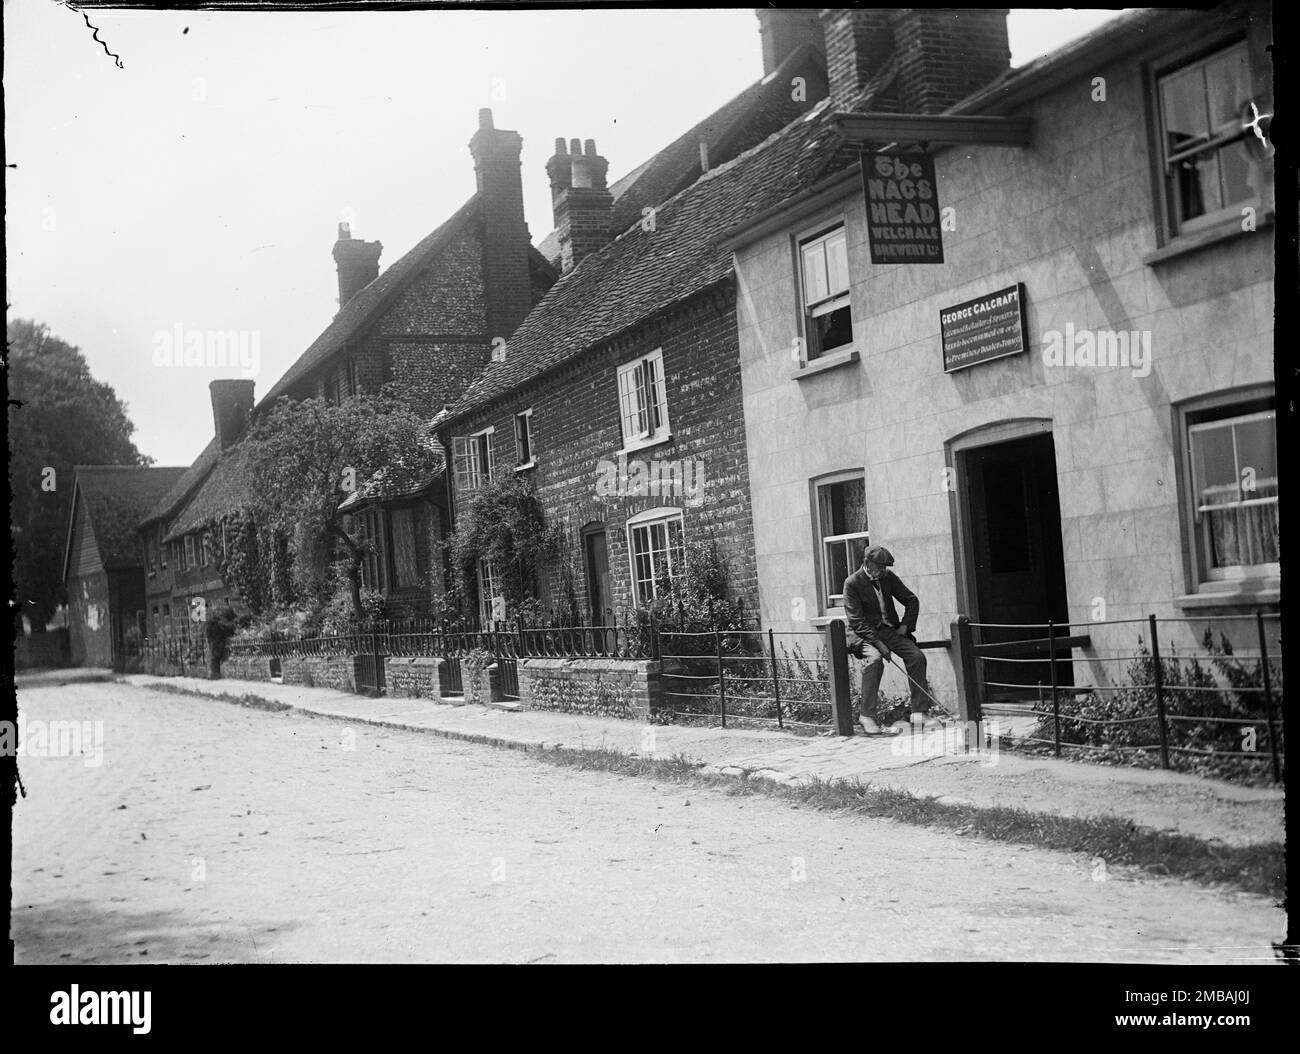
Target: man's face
874,571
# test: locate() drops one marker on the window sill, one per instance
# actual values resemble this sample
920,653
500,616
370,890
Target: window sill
826,362
645,444
1185,244
1266,592
526,466
822,621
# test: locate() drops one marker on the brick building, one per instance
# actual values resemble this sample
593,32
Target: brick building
1024,487
420,330
103,567
619,397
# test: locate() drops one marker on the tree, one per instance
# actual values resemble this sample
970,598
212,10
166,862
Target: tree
59,417
303,459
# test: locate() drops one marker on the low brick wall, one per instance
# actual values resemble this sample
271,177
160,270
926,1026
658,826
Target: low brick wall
418,678
246,667
628,688
321,671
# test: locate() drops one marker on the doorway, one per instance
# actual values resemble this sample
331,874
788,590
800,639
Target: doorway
596,559
1015,559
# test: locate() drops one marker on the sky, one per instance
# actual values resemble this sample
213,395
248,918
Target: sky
200,184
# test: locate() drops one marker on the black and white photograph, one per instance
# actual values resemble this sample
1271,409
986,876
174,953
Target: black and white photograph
620,485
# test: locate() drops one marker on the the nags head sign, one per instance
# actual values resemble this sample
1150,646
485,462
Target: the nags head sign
902,208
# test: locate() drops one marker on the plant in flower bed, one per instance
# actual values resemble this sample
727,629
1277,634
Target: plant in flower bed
1217,685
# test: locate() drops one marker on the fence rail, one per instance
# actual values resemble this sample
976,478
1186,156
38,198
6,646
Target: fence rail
1242,697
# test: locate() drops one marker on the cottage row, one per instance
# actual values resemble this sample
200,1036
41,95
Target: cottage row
749,339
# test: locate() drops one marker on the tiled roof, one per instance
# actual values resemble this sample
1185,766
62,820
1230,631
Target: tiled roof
115,498
643,272
189,479
737,125
370,301
221,492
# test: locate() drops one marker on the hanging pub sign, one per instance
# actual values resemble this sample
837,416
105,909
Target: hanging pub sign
902,208
988,327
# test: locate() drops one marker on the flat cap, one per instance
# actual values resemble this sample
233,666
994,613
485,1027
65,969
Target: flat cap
879,555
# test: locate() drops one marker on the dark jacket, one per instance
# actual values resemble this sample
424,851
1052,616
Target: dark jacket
863,610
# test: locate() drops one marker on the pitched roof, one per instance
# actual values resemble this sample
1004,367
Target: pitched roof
643,272
220,492
750,117
367,304
115,497
190,478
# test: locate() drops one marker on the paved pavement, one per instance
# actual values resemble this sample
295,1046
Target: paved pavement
927,765
207,832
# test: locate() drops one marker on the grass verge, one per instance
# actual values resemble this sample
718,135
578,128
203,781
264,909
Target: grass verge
1258,868
252,702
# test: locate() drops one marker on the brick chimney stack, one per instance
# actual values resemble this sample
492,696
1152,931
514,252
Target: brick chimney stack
232,402
946,54
784,30
581,201
357,261
942,54
505,234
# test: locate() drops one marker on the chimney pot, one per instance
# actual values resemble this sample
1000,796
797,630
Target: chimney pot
581,199
560,146
345,232
485,117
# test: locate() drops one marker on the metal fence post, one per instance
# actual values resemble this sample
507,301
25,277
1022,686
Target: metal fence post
776,680
722,678
1268,695
837,653
1160,693
1056,698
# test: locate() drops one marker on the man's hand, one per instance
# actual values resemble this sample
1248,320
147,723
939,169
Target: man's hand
885,653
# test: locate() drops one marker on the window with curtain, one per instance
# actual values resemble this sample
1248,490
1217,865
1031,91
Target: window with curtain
643,401
1207,167
1235,493
842,535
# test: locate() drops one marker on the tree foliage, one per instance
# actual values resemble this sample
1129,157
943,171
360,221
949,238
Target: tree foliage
303,459
59,417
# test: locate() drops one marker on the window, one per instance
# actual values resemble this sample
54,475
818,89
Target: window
189,560
1232,467
1204,139
491,604
824,267
842,535
474,459
401,527
524,439
370,531
657,550
353,378
642,400
167,611
207,548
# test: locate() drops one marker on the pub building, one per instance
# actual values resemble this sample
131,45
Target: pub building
1050,393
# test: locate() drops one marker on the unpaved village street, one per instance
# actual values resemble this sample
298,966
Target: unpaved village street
213,833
